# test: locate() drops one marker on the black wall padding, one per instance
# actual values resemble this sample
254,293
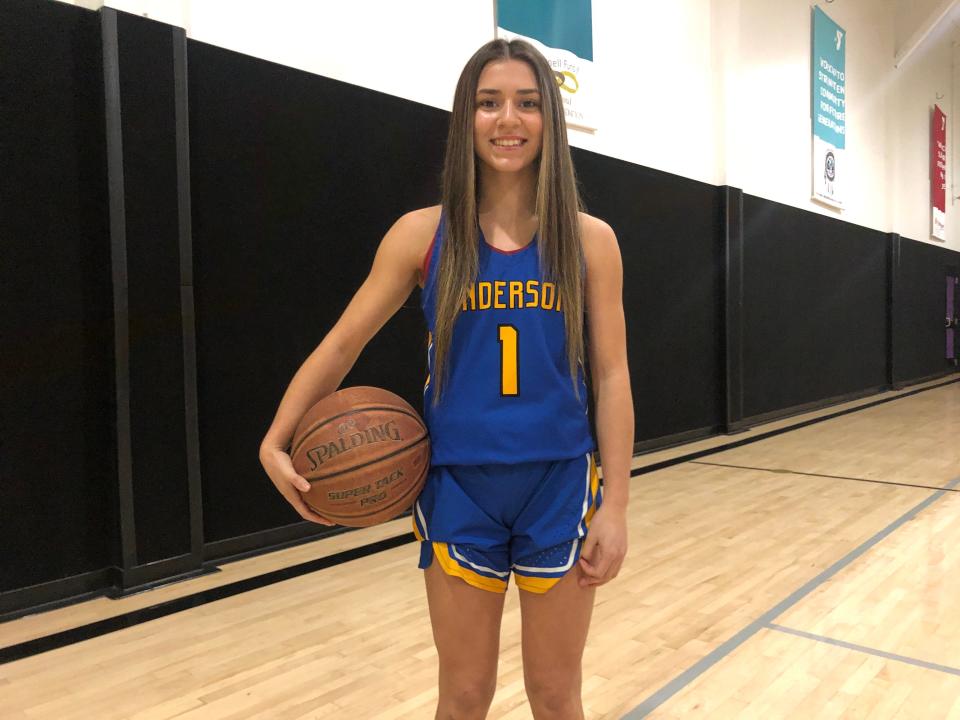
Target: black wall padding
669,233
158,433
57,451
921,344
295,179
814,307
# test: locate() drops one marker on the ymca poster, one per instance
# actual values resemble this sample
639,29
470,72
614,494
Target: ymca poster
829,108
563,31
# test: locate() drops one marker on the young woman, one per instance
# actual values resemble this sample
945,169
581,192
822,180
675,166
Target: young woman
515,279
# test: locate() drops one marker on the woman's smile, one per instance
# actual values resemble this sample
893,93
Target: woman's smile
509,143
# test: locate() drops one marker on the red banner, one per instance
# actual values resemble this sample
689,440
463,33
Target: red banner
938,173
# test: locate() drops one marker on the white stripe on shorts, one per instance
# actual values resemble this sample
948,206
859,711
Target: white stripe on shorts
581,530
567,566
423,522
481,568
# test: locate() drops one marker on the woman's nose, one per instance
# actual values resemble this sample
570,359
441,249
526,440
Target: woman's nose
508,112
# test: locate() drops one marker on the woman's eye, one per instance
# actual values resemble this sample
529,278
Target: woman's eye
530,104
486,103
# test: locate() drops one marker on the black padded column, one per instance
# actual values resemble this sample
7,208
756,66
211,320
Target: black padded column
732,209
148,177
893,332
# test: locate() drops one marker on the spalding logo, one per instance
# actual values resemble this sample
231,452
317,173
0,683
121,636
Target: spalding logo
385,432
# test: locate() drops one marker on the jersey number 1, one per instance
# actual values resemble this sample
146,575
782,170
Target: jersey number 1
509,354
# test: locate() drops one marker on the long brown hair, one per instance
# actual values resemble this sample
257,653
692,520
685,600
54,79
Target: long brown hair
557,205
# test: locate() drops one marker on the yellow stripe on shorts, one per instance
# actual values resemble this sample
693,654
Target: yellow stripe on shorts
537,585
594,488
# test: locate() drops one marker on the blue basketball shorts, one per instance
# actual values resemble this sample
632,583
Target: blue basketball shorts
483,521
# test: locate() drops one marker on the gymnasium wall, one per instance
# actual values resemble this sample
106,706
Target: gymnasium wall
711,90
770,149
415,51
58,507
918,310
909,16
814,308
236,266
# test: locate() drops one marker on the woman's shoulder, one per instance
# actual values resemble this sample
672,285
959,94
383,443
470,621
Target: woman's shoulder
419,224
597,237
415,231
593,227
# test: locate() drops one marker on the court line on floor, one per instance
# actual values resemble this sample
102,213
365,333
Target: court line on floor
682,680
135,617
780,471
864,649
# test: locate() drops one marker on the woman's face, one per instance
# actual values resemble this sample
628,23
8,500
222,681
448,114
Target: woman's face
508,123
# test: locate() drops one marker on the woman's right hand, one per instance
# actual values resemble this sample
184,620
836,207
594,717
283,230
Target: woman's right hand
279,468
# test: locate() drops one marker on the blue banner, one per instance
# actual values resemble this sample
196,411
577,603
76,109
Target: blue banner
563,31
566,24
829,80
828,108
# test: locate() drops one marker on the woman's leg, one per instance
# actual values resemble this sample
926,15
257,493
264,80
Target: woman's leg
466,630
555,627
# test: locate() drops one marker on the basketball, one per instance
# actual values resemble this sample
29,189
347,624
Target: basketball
365,452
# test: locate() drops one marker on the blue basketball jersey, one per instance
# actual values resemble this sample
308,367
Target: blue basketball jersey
508,397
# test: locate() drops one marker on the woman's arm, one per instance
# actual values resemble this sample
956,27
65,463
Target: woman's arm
394,274
606,542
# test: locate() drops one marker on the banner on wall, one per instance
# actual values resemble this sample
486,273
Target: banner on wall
828,108
563,31
938,174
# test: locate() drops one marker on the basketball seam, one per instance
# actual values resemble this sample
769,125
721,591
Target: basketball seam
354,411
367,464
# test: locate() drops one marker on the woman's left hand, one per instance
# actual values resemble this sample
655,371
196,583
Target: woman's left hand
605,547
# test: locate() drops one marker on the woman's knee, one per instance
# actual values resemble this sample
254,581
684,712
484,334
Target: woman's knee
554,695
464,696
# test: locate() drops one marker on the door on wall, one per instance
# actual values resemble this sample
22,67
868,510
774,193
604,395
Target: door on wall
953,318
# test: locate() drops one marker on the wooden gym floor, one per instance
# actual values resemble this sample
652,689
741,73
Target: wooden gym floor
811,574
